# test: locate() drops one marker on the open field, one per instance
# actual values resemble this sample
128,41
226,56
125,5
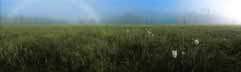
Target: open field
120,48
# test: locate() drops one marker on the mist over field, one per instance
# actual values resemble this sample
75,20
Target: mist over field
120,36
121,11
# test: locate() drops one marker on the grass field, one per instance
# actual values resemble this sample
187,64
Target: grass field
165,48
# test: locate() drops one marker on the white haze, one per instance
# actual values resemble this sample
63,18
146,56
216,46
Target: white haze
84,7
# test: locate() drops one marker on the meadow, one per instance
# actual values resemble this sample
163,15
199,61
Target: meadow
107,48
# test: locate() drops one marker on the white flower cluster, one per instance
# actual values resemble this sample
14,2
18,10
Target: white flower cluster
174,53
196,42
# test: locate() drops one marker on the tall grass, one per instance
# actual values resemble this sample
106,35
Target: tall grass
120,49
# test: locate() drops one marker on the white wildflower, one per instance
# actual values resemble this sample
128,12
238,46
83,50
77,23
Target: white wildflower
196,42
174,53
150,33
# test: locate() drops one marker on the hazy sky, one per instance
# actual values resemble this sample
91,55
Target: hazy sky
97,9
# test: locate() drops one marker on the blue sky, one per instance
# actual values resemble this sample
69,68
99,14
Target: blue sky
82,9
